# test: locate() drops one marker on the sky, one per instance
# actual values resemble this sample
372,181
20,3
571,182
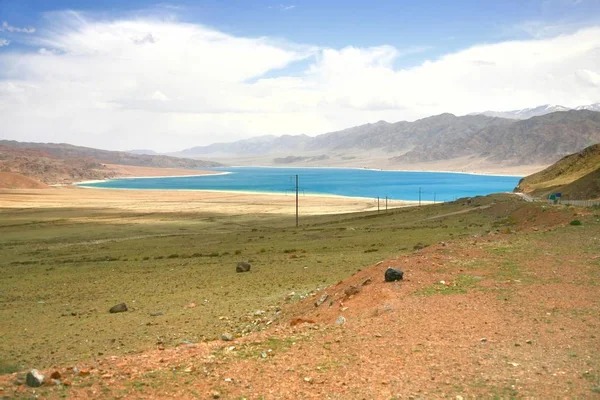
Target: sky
172,75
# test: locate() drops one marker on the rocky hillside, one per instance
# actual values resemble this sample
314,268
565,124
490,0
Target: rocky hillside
539,140
577,176
62,163
66,152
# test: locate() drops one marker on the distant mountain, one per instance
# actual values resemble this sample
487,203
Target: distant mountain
527,113
468,139
260,145
146,152
67,151
63,163
576,176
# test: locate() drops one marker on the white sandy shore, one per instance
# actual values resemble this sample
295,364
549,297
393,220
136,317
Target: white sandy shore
382,170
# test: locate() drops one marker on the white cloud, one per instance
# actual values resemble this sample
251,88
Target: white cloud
89,83
13,29
4,42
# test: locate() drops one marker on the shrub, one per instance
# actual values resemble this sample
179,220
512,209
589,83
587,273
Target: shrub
173,256
146,258
575,222
238,252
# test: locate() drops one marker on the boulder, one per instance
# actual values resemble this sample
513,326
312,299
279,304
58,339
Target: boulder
34,378
227,337
392,275
118,308
242,267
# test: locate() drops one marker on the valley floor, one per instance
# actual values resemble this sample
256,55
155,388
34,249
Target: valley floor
503,301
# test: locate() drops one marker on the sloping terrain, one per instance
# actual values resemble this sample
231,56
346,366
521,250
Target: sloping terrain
60,163
582,167
11,180
44,167
468,140
585,188
66,151
510,308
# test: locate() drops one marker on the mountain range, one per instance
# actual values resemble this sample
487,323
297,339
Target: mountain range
526,113
459,142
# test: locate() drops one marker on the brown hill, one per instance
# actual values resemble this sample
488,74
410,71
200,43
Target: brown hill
11,180
67,152
584,188
576,176
62,163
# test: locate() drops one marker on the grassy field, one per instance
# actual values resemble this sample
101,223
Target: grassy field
62,269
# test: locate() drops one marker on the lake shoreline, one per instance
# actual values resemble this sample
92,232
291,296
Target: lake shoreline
356,183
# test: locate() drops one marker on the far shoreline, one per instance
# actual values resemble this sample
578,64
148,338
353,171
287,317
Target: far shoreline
380,170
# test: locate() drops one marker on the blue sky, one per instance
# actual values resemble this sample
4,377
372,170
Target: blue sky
200,71
434,27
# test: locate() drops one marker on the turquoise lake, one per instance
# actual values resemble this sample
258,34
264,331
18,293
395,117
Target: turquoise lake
397,185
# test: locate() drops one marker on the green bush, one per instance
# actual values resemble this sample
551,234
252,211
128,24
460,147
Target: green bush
575,222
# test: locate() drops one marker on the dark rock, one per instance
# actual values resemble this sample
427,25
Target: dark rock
242,267
321,300
156,314
392,275
227,337
419,246
34,378
351,291
118,308
55,375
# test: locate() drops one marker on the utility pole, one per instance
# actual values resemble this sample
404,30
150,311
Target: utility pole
385,203
378,204
419,196
296,201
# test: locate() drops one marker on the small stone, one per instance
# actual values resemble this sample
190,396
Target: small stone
118,308
215,395
529,342
263,355
351,291
55,375
84,372
392,275
340,321
156,314
227,337
366,282
34,378
321,300
419,246
483,340
228,380
459,397
242,267
308,380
